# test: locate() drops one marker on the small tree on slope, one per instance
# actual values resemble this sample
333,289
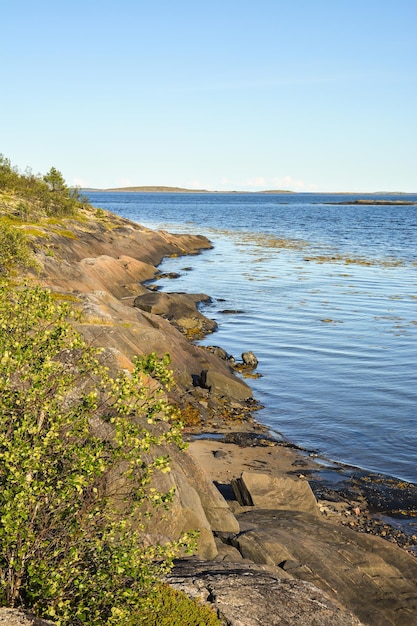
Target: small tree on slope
73,475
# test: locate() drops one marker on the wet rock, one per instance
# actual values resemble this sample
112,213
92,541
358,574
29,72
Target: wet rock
388,505
231,311
167,275
219,352
382,493
386,493
180,309
250,595
249,439
249,360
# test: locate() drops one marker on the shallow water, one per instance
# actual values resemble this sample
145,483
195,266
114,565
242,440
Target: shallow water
328,302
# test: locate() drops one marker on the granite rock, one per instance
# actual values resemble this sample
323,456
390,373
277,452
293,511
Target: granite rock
267,492
250,595
17,617
369,576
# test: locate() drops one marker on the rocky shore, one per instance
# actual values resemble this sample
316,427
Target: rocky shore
284,538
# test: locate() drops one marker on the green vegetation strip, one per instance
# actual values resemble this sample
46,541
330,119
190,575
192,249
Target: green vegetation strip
78,448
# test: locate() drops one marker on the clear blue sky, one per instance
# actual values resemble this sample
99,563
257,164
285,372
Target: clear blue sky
232,94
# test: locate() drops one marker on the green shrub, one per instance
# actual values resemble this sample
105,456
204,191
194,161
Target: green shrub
173,608
74,470
100,214
14,249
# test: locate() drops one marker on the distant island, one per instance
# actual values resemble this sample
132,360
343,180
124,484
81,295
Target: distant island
166,189
157,189
383,202
162,189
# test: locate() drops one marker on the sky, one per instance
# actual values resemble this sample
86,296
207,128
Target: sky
307,95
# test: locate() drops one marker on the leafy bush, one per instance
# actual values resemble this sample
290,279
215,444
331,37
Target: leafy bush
174,608
75,472
14,250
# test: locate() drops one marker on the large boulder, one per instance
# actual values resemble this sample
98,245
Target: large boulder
221,384
268,492
249,360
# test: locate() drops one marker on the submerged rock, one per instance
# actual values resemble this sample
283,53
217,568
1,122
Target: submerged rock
231,311
167,275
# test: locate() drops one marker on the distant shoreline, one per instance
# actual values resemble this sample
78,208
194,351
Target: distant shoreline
166,189
157,189
381,202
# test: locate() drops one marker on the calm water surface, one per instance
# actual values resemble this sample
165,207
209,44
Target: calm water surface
326,298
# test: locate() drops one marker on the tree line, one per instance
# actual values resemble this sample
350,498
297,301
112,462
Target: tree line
38,195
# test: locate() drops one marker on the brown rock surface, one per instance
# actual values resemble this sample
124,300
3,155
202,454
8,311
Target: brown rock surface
221,384
101,266
197,504
371,577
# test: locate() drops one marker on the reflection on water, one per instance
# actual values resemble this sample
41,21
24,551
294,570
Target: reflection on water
327,296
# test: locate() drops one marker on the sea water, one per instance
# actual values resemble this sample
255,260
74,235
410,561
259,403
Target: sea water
323,291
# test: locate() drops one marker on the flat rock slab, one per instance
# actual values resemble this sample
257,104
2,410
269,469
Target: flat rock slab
246,595
179,308
374,579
